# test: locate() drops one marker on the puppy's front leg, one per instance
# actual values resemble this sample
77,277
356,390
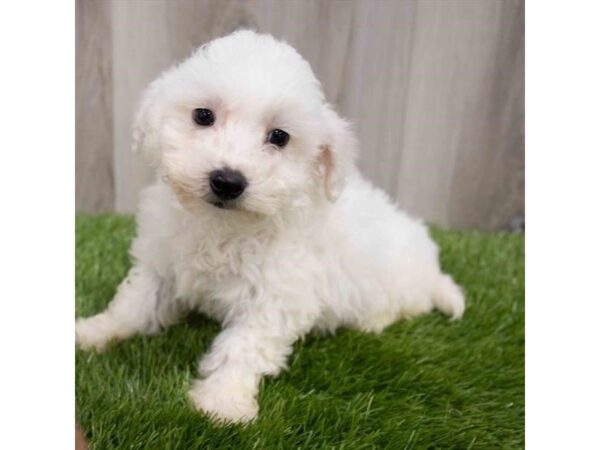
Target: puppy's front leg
239,356
142,304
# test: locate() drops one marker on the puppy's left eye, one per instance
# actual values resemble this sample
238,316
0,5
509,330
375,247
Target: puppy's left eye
204,117
278,137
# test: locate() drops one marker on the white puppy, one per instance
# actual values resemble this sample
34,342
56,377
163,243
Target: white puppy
260,220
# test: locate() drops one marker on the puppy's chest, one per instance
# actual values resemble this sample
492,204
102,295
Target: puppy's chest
204,266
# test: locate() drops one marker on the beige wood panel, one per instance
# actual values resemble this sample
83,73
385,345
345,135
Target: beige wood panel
140,52
94,107
375,85
464,128
434,87
488,182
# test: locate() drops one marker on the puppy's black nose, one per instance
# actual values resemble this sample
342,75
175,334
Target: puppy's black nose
227,184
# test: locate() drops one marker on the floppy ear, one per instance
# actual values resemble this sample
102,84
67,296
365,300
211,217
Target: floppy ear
337,153
146,135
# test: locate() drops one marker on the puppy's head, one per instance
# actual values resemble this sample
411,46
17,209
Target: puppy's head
243,125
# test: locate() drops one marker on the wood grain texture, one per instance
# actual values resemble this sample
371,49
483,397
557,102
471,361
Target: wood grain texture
94,108
140,52
434,87
462,158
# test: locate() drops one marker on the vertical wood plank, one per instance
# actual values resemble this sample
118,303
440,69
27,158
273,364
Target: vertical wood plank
140,53
488,181
94,107
455,110
376,83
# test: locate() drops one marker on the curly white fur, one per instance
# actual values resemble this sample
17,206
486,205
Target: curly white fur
309,245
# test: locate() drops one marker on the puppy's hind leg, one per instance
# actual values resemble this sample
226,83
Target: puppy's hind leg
418,290
142,305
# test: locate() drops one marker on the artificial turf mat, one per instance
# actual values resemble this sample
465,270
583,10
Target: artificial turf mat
425,383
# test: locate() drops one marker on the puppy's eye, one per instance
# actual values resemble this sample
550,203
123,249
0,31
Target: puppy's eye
278,137
203,117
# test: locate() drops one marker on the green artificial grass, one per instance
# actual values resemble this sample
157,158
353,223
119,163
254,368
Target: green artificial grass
425,383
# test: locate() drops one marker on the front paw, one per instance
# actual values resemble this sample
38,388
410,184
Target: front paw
92,333
226,402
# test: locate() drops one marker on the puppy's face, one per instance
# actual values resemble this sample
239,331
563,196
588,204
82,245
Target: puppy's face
242,125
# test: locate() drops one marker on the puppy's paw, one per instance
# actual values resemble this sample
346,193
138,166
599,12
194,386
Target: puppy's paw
92,333
224,402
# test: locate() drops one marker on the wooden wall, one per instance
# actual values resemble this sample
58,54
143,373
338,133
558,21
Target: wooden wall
435,89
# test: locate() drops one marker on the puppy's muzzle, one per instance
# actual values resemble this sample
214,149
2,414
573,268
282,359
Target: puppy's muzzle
227,184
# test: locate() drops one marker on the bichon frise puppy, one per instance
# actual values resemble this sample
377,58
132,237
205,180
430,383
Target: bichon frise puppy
259,219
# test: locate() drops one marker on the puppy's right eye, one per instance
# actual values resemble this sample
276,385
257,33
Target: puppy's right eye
278,137
203,117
